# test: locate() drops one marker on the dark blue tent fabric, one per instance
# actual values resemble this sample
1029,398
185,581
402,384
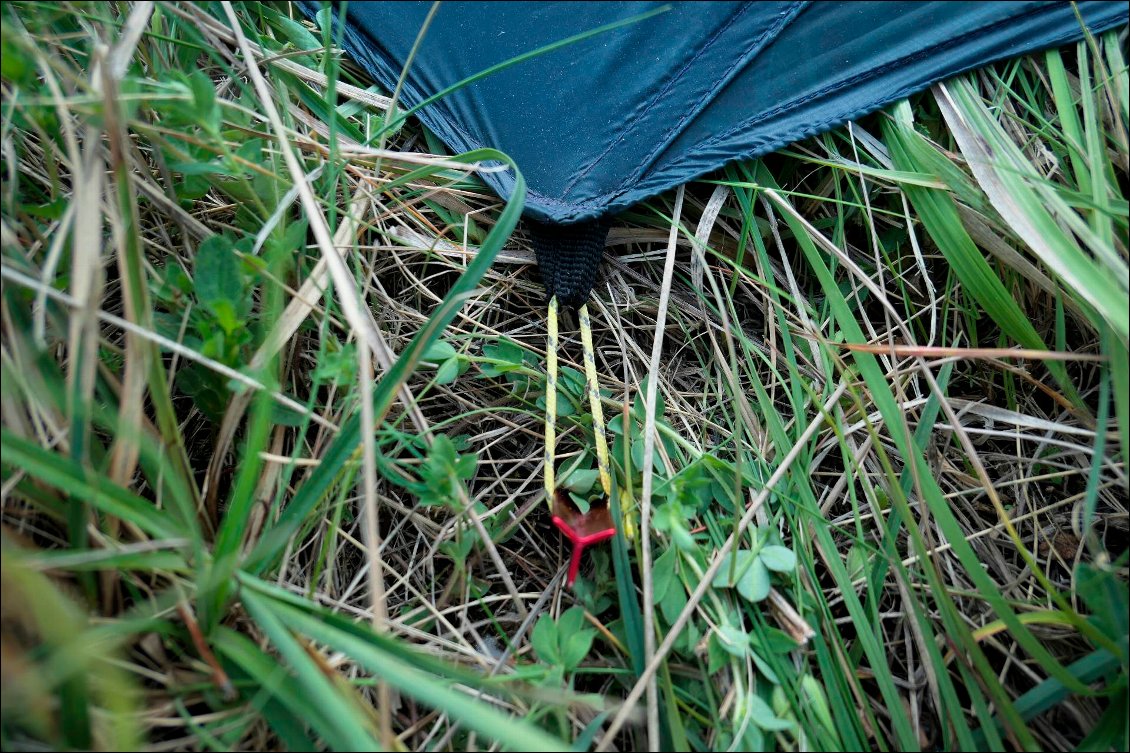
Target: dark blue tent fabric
614,119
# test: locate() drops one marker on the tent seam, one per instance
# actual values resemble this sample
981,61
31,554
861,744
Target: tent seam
871,74
643,184
784,18
608,197
659,95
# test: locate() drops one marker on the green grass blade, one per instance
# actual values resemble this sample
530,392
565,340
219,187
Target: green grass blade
339,720
940,217
932,495
371,651
95,489
1034,210
275,694
109,559
347,440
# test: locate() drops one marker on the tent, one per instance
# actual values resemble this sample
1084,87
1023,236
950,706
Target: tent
670,91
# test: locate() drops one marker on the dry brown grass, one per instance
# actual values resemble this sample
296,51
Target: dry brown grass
94,217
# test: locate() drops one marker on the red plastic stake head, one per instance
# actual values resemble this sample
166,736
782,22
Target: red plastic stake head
582,529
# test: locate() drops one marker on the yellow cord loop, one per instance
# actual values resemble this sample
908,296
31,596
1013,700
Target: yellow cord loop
550,401
594,402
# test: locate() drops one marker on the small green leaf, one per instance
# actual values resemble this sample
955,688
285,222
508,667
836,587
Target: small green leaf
285,416
448,371
734,640
251,150
716,654
504,350
571,620
639,407
296,34
204,101
225,315
764,668
192,187
564,405
638,450
440,350
544,640
337,365
671,519
444,473
582,480
295,236
733,569
779,559
754,585
662,574
774,641
817,701
497,369
575,648
458,550
674,601
217,272
762,715
465,466
564,643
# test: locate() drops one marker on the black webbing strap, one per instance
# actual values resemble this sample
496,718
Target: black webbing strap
568,257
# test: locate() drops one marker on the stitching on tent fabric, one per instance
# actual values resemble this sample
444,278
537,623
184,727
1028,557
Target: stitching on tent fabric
439,119
784,19
658,96
873,73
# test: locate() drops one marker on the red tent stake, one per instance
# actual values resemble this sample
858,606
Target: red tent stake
582,529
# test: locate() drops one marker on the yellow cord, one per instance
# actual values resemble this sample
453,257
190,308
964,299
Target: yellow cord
594,402
550,401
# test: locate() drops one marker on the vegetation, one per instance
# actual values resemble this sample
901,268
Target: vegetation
273,385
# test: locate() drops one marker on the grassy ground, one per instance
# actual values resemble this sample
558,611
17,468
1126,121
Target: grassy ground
273,389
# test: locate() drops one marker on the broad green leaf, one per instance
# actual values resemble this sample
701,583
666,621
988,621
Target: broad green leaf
217,272
440,350
733,639
755,583
777,558
762,714
575,647
582,480
544,640
448,371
